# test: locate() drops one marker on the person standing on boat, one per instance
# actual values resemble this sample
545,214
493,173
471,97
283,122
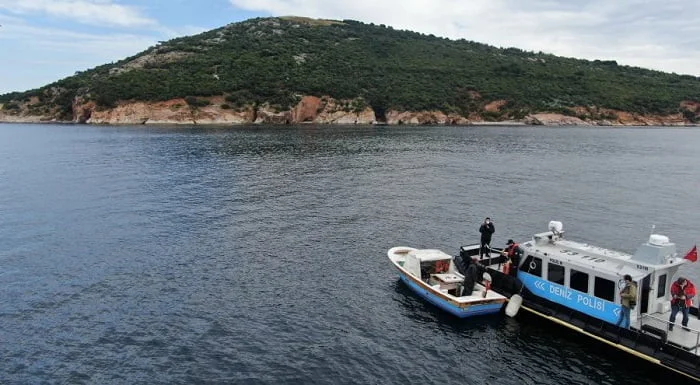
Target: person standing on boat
628,298
682,293
486,231
471,276
512,253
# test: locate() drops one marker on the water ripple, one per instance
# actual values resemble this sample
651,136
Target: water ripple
256,255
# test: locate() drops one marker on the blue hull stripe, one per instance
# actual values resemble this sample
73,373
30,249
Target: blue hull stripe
585,303
469,311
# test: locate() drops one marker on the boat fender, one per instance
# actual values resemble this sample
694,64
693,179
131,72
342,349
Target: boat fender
487,284
514,305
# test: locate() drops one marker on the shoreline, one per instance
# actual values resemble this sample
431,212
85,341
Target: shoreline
467,124
325,111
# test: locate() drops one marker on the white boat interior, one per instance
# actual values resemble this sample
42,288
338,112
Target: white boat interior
437,270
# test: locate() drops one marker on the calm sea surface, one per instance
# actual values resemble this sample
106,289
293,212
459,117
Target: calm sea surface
257,255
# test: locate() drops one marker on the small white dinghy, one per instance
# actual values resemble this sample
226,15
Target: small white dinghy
433,275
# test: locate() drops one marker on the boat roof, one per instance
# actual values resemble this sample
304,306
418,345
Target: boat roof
426,255
589,257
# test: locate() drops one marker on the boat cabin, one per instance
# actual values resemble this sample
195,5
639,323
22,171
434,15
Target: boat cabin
578,285
425,263
589,278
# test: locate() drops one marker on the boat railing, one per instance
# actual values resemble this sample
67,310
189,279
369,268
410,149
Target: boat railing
492,260
653,322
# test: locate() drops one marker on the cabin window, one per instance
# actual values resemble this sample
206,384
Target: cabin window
604,288
578,280
555,273
532,265
426,269
661,289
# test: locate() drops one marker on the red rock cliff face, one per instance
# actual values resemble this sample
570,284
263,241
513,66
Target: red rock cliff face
310,109
175,111
307,110
424,117
326,110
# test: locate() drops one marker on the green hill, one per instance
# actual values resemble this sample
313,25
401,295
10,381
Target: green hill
275,61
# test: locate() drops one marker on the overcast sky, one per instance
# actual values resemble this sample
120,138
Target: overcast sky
45,40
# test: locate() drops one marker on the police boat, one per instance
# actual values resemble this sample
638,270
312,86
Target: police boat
433,276
578,286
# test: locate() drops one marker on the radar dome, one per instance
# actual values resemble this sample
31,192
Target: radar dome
658,240
555,226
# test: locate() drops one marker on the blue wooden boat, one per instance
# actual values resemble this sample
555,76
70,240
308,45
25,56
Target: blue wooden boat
433,275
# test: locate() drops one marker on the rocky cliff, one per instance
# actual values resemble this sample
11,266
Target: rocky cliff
324,110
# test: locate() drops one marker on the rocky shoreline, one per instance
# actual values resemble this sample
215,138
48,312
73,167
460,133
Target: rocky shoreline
315,110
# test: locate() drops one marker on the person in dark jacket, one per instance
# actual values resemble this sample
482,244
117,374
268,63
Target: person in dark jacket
486,231
471,276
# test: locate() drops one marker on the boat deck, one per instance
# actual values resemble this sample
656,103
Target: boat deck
477,294
686,338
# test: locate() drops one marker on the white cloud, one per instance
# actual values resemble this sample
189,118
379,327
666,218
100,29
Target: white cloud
657,34
49,54
38,54
94,12
52,39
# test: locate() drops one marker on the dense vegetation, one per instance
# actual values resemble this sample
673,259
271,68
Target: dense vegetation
275,60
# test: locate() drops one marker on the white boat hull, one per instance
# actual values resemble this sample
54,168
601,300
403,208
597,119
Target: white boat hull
460,306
